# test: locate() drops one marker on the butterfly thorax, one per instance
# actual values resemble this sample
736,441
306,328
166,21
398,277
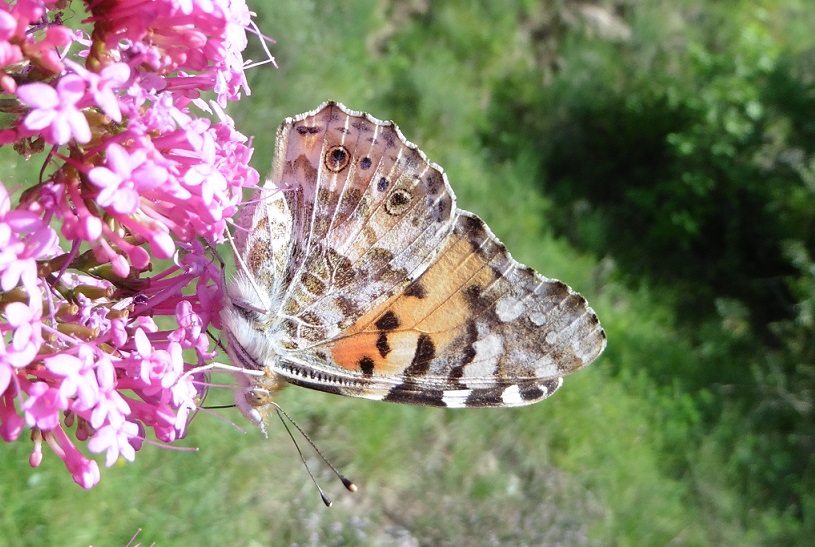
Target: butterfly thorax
246,320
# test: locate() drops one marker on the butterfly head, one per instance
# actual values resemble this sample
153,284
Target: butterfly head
254,396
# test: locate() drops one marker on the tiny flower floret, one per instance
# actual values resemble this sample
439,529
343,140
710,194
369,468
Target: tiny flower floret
54,111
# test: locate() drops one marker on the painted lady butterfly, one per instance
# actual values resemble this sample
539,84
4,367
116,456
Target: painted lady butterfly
357,275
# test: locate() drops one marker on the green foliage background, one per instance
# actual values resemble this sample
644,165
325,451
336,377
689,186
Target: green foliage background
657,156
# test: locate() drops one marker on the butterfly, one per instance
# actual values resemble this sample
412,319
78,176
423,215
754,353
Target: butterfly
357,275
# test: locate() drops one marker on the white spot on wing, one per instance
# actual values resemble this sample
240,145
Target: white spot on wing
538,319
508,309
585,352
546,367
487,352
480,369
456,398
512,396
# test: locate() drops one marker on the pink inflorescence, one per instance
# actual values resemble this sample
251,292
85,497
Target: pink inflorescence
107,276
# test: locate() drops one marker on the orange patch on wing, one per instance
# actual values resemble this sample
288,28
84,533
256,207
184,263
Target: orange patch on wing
441,314
350,352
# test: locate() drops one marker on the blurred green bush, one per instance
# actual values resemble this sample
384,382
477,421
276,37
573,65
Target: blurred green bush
686,154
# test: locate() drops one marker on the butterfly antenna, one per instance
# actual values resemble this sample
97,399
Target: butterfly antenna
217,340
218,407
215,254
323,495
346,482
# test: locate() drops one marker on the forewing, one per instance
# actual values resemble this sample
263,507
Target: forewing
370,215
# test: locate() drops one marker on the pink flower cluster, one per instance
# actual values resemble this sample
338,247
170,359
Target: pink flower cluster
108,281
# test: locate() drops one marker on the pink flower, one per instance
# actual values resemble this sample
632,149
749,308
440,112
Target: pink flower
158,369
161,417
7,370
102,86
9,53
26,11
115,442
11,424
24,237
124,178
55,110
79,383
111,407
118,332
8,25
82,359
27,337
43,406
190,332
84,471
46,53
15,267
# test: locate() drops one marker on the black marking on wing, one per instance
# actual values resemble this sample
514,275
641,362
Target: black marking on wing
382,345
411,394
425,352
366,365
387,322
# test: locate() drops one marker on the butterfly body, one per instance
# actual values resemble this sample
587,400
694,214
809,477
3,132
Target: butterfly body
358,275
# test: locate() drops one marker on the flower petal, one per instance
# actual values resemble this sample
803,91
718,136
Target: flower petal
38,95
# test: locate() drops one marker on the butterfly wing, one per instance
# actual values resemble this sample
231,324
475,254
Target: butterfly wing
390,292
371,214
475,329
